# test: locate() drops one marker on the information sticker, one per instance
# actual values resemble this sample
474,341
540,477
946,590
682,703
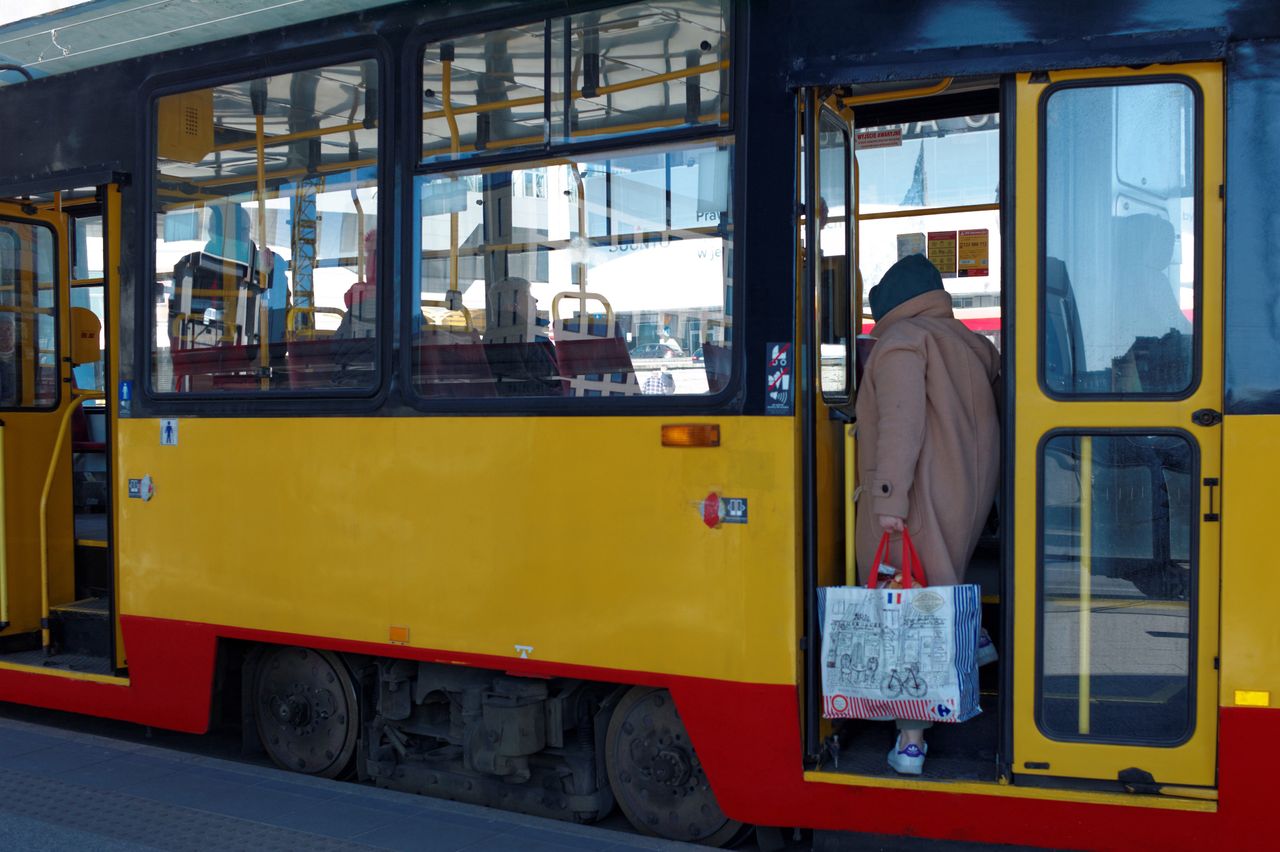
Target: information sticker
974,253
778,394
942,252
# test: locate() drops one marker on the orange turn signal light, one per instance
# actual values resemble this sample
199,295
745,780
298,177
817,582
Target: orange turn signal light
399,635
691,434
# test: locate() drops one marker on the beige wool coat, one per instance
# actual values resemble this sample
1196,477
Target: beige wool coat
928,436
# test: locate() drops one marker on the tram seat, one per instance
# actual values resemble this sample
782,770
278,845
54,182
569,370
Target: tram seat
452,364
214,368
525,369
202,281
597,366
330,362
82,434
717,360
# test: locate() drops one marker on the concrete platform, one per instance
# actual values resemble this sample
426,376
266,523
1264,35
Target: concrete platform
63,789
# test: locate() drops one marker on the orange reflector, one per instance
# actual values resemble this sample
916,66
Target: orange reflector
691,435
400,635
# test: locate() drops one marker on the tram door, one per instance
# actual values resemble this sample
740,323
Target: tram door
1117,444
56,577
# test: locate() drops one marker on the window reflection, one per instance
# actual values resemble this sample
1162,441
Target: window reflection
1120,235
593,277
266,204
28,332
638,68
1117,573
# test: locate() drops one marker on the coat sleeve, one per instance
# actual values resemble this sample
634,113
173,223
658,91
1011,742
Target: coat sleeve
900,391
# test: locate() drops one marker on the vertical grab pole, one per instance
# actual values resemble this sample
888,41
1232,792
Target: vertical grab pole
1086,579
850,506
446,96
258,95
4,544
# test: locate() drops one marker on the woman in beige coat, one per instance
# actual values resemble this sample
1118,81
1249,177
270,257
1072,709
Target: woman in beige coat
928,439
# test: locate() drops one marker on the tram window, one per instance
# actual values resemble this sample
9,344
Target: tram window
1120,277
266,221
1117,570
485,92
912,177
639,68
28,330
645,66
598,276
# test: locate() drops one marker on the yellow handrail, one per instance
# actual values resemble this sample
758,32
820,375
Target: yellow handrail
898,94
4,545
583,297
534,100
1085,650
77,397
444,303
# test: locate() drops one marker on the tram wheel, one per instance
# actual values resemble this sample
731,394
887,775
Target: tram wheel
304,703
656,776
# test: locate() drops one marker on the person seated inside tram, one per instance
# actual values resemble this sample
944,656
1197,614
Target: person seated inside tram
928,442
360,319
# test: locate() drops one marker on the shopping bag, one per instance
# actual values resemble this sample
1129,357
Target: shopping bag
900,653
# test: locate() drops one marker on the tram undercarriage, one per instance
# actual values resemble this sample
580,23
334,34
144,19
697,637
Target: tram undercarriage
557,748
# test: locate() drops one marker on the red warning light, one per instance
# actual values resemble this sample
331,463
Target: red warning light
711,510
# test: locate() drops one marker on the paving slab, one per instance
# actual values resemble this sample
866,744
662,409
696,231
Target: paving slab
65,789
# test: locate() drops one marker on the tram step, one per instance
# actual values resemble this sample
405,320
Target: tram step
81,627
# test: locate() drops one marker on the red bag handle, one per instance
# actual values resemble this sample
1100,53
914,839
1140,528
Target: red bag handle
911,565
917,567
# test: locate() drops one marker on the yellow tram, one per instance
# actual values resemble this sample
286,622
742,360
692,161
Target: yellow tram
461,399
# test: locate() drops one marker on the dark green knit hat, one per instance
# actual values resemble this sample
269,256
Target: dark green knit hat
906,279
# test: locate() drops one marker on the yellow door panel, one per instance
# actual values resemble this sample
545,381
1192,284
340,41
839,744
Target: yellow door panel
1117,446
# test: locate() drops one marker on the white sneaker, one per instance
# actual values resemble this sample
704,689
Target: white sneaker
986,649
908,760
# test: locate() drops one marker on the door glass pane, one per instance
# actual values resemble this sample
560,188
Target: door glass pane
92,375
1120,275
1117,573
28,331
835,316
87,248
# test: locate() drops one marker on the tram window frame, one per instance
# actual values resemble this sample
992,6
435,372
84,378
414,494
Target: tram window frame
56,289
274,400
629,143
1197,326
1193,585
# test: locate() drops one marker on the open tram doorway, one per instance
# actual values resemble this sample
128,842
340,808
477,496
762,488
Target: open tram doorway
924,164
58,573
1101,189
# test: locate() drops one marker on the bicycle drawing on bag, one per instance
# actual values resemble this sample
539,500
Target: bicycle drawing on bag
895,684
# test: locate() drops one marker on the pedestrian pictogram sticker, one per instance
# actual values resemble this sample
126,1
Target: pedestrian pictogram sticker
169,432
